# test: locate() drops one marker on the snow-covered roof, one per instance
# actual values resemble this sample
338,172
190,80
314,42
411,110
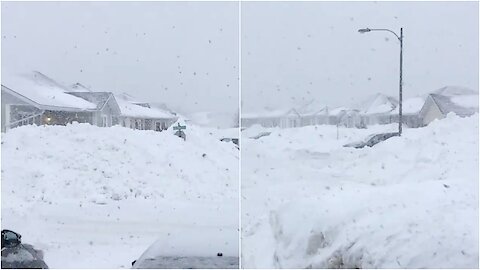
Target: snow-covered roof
311,107
130,109
455,91
97,98
410,105
461,105
129,98
338,110
467,101
264,114
43,91
78,87
378,103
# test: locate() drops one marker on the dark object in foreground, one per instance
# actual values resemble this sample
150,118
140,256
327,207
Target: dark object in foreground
260,135
234,140
372,140
179,131
17,255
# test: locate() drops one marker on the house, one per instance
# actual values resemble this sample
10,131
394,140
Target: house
313,113
319,117
33,98
139,115
410,112
377,109
381,110
123,109
107,111
463,102
308,114
267,118
350,119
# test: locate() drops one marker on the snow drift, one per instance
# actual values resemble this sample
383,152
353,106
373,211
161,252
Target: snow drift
409,202
81,191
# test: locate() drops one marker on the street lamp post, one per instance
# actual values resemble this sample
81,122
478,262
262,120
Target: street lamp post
400,38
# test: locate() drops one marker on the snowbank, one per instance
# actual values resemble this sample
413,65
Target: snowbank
106,194
409,202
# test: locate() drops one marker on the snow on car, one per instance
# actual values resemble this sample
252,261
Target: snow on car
191,249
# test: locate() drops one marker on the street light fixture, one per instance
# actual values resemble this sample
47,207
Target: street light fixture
364,30
400,38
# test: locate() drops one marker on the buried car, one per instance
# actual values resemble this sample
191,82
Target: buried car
233,140
372,140
261,134
17,255
190,251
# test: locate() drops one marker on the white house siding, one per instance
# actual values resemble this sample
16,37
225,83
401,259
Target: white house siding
8,101
146,124
107,110
430,112
16,111
110,113
263,121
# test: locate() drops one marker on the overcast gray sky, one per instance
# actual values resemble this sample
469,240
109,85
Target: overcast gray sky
182,53
293,52
186,53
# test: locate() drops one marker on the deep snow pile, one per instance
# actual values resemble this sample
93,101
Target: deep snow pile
98,197
409,202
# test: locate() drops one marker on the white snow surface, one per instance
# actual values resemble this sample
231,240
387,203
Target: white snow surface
93,197
408,202
43,90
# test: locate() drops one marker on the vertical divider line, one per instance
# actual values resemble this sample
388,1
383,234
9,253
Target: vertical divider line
240,143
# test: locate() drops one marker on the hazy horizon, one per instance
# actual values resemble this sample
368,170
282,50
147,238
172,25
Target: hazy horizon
184,54
294,52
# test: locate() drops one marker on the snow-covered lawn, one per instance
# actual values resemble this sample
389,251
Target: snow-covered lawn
93,197
408,202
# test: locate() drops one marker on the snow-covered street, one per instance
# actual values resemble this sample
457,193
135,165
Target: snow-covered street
408,202
93,197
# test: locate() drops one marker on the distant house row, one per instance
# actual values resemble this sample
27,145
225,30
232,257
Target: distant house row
379,109
34,98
